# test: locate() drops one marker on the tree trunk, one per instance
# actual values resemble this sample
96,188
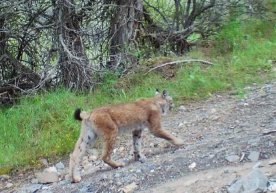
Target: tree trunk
123,28
75,71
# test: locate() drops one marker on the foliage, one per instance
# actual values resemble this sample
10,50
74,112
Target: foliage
42,125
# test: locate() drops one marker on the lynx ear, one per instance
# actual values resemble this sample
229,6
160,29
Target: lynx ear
165,93
157,91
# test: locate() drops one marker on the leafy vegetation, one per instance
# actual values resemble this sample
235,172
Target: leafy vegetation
43,126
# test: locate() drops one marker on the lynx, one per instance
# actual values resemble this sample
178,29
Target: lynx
108,121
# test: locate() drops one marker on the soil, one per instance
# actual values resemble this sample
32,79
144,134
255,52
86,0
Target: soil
222,134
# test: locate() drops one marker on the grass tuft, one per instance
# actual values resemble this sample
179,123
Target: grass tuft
43,125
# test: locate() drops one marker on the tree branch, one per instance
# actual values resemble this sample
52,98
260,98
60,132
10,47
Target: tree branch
178,62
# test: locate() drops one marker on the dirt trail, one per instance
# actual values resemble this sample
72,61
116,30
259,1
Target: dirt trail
211,180
216,132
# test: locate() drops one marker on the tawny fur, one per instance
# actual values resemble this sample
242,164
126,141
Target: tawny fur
107,121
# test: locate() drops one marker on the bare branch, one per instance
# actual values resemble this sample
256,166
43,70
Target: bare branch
179,62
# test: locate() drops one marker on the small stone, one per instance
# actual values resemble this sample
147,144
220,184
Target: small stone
232,158
117,175
67,177
270,144
121,149
272,162
130,188
254,156
9,185
93,151
44,161
182,108
5,177
151,145
192,166
92,158
180,125
215,118
245,104
255,181
85,162
213,110
60,166
272,186
49,175
235,187
30,188
254,142
34,181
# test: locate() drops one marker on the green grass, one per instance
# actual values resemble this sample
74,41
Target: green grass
43,126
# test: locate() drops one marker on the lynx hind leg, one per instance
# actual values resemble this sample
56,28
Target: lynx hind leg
87,136
109,142
137,145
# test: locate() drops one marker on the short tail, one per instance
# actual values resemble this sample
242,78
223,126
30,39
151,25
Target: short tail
80,115
77,114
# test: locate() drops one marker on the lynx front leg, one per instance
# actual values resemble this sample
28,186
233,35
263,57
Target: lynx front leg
87,136
155,128
137,143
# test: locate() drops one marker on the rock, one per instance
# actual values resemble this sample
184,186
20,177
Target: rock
152,145
254,156
192,166
235,187
232,158
254,182
92,158
272,186
49,175
93,151
214,117
29,188
60,166
129,188
9,185
270,144
182,108
5,177
254,142
34,181
117,175
44,161
121,149
180,125
272,162
213,110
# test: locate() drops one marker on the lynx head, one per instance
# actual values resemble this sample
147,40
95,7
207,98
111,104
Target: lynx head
164,101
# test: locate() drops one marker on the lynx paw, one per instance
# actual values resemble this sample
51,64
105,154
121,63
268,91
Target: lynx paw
76,179
178,142
118,164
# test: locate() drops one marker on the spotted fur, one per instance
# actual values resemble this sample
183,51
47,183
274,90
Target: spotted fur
107,121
